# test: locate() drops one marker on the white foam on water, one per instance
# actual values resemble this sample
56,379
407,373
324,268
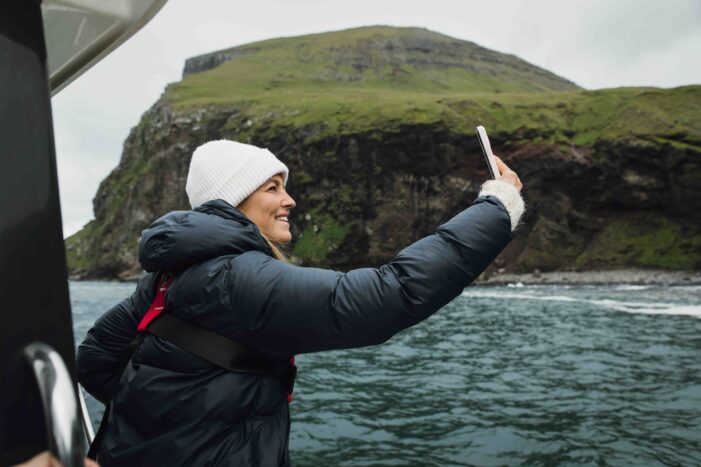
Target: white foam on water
631,287
650,308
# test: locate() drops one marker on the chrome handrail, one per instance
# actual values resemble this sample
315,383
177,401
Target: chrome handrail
60,406
85,416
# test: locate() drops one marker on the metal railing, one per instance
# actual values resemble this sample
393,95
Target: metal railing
60,406
85,417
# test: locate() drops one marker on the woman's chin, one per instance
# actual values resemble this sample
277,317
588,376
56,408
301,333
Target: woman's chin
282,237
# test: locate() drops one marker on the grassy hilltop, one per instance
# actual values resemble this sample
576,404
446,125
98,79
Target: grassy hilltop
381,77
377,126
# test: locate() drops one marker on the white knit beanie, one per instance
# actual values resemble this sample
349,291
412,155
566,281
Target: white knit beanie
230,171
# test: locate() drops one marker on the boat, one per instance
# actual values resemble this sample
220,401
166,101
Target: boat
44,46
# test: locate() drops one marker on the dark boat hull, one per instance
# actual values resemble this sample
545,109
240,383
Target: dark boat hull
34,302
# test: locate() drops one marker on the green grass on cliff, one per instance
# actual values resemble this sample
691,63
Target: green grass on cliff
661,116
347,82
320,238
77,256
648,241
579,118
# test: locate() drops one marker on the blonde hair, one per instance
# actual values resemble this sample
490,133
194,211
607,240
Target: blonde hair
277,249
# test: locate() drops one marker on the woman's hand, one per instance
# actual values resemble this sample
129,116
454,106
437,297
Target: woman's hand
508,175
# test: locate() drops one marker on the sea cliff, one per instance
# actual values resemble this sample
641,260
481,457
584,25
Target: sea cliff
377,127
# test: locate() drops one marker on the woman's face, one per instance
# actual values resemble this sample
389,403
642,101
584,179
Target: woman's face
269,208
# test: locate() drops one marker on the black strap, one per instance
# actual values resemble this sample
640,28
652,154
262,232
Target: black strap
220,350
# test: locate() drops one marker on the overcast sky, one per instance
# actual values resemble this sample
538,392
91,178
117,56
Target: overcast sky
594,43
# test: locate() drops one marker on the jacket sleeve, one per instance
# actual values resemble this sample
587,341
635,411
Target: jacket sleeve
291,310
101,355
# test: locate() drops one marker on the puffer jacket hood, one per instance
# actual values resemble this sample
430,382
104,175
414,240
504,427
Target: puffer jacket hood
172,408
180,239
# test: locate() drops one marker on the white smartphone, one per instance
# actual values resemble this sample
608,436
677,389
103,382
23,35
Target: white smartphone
487,151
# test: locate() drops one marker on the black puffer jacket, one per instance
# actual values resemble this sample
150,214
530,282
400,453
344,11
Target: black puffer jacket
173,408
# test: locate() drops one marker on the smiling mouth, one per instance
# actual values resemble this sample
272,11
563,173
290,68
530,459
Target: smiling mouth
282,219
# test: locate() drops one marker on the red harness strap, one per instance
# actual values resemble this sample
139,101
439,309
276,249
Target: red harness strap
289,394
158,305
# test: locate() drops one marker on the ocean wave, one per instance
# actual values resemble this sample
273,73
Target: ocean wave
651,308
631,287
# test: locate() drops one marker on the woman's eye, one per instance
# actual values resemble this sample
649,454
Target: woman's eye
272,188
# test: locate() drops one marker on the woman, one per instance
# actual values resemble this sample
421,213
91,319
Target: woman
170,407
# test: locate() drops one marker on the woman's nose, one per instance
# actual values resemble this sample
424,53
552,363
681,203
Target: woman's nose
288,202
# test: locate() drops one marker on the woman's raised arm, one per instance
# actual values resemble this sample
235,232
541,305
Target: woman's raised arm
290,310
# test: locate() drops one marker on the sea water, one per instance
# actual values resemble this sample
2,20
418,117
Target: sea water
508,375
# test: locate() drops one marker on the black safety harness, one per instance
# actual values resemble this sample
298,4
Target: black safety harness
208,345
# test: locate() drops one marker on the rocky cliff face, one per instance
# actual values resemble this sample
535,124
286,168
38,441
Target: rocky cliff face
610,177
362,197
